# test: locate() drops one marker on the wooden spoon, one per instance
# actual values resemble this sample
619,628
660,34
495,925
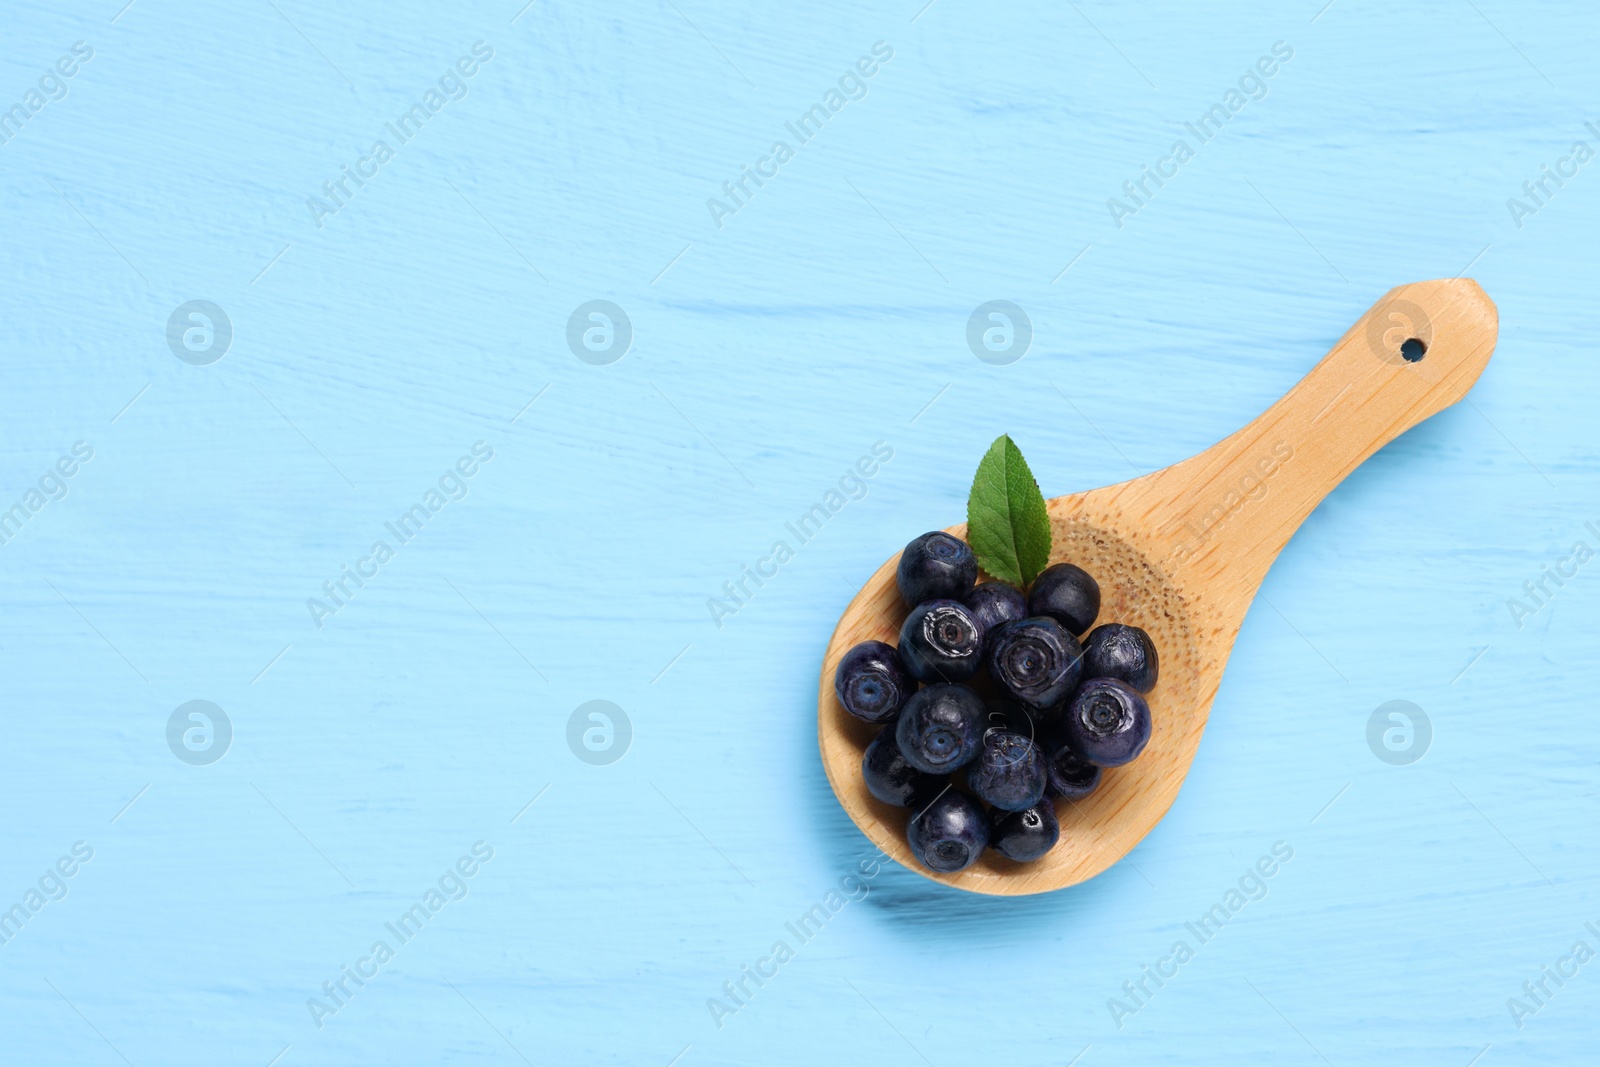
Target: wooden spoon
1181,553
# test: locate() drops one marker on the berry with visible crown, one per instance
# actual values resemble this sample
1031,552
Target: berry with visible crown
1035,661
1107,723
936,565
940,642
949,833
941,728
872,683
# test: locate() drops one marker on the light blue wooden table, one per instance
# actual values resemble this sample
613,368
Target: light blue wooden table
397,223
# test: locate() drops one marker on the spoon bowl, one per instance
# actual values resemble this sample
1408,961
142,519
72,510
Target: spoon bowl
1180,553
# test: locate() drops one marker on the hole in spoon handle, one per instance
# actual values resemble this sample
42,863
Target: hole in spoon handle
1230,509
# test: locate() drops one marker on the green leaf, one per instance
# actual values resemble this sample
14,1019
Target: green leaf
1007,526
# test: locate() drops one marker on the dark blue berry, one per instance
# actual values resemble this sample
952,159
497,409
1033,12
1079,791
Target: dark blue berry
950,833
1009,771
993,603
940,642
1107,723
890,778
1035,661
872,683
1122,652
1068,595
1069,777
1027,834
936,566
940,728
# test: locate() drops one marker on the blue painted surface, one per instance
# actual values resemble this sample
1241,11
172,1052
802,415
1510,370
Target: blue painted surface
371,352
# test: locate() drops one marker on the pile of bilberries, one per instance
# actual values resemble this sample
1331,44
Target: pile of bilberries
993,681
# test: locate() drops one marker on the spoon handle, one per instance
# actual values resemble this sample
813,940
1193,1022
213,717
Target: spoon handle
1221,517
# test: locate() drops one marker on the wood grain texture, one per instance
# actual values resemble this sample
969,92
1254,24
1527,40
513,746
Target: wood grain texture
1180,553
